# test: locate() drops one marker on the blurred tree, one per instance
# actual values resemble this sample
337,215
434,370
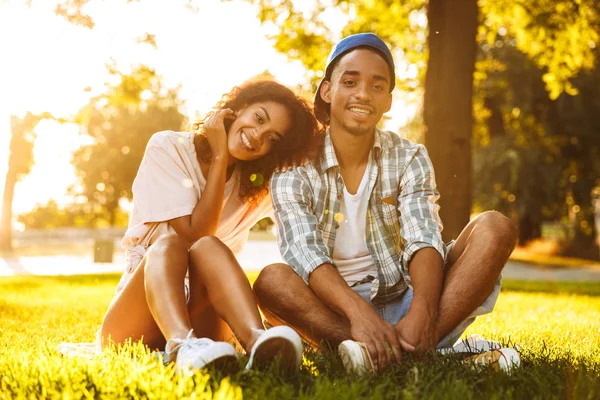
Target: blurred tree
48,216
535,156
79,215
120,122
20,161
447,107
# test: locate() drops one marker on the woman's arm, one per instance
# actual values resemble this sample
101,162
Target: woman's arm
206,215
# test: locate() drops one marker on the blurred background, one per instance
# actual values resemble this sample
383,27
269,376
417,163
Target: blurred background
504,94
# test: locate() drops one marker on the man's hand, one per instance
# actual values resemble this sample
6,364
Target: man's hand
380,336
419,328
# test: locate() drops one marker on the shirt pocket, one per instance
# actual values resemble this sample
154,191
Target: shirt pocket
390,217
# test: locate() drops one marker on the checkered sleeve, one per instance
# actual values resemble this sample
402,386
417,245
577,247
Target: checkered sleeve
420,222
298,235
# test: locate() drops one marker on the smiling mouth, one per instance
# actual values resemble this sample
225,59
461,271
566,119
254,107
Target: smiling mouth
246,142
361,111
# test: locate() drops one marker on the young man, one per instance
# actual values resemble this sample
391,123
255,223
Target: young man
360,230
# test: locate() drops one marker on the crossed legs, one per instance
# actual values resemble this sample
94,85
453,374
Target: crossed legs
472,268
152,306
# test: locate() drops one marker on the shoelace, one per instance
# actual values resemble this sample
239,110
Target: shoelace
486,358
189,342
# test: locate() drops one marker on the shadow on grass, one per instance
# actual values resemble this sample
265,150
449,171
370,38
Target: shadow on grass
556,287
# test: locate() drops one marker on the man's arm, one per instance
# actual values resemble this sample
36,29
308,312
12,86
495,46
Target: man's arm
302,247
422,261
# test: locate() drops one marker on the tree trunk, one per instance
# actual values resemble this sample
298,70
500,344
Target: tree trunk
529,230
6,220
448,113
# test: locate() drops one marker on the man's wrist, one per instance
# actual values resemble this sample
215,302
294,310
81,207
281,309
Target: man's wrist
426,306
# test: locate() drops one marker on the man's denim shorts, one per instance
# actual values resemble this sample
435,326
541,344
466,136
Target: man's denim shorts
394,311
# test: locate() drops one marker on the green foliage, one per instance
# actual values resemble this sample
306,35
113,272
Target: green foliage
304,34
120,122
536,158
555,329
560,36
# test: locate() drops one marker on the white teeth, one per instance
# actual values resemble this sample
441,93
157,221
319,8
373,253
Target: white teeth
246,142
360,111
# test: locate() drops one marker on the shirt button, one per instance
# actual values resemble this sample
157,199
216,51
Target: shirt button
337,226
339,196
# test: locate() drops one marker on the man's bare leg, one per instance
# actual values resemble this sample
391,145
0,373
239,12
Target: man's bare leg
284,298
473,266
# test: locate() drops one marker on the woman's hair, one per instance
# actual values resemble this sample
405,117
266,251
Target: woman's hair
297,144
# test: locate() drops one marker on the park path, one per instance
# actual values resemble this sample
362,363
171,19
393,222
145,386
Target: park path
254,257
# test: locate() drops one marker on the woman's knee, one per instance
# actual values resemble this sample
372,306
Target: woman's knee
168,252
170,242
207,245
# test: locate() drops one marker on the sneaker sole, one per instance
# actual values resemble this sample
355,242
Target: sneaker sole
226,364
345,350
224,353
276,348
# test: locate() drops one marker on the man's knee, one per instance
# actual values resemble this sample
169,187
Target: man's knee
498,227
271,279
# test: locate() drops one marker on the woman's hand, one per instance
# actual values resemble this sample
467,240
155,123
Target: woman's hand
214,129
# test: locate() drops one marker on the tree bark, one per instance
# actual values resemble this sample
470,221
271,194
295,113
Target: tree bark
448,107
529,230
6,220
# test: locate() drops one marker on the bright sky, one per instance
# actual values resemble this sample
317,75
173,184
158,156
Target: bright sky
47,63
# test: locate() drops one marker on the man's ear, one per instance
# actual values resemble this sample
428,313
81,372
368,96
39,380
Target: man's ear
388,105
325,92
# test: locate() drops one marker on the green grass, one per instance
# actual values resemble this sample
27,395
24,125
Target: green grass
557,326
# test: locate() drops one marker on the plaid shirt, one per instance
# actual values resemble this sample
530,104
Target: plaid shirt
402,216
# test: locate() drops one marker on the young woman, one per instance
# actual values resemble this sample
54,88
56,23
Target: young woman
195,197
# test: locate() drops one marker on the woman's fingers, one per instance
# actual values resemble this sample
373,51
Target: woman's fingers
215,118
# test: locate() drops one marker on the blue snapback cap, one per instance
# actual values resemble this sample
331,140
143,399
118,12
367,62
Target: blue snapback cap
344,46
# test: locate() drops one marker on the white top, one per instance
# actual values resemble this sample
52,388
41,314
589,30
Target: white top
169,184
350,252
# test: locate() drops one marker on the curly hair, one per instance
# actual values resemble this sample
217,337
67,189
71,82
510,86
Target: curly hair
297,144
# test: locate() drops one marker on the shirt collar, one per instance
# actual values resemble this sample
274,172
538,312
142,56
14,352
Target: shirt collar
330,160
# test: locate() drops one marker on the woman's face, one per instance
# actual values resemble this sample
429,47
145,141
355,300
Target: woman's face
256,129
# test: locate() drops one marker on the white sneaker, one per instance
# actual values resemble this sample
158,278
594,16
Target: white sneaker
278,342
194,353
355,357
499,359
472,344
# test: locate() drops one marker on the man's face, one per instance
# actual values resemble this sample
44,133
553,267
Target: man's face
358,92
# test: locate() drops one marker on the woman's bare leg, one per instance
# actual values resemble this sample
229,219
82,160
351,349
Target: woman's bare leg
214,268
204,318
152,305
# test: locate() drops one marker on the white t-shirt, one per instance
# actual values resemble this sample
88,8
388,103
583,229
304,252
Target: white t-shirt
168,185
350,252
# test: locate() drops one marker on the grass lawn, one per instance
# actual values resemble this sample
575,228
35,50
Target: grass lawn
557,327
